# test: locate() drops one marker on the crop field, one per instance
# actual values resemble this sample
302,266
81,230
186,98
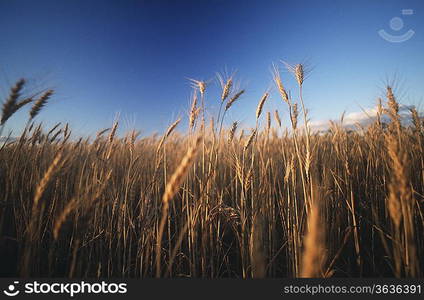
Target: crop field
214,200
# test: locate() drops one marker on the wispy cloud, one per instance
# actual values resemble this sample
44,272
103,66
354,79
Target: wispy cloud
363,118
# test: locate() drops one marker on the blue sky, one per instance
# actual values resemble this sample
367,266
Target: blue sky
134,57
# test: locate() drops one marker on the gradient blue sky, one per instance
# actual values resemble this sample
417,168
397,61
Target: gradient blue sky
134,57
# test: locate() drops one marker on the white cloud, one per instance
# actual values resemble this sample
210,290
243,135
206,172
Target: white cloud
363,118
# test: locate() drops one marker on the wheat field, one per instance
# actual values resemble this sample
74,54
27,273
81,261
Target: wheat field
215,201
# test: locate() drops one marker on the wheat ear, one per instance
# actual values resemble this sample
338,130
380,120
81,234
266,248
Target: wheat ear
171,189
314,250
39,103
9,106
261,105
41,187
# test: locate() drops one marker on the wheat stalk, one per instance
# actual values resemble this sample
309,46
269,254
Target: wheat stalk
268,121
261,105
178,176
10,106
74,203
249,140
314,249
193,111
41,187
171,189
293,116
232,131
39,103
277,118
280,86
226,89
233,99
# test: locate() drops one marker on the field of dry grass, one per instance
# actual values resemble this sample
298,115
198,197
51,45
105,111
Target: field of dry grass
214,202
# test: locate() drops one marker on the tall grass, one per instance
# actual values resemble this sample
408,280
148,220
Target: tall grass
277,202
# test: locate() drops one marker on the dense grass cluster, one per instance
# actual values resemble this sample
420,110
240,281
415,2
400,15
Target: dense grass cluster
214,202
